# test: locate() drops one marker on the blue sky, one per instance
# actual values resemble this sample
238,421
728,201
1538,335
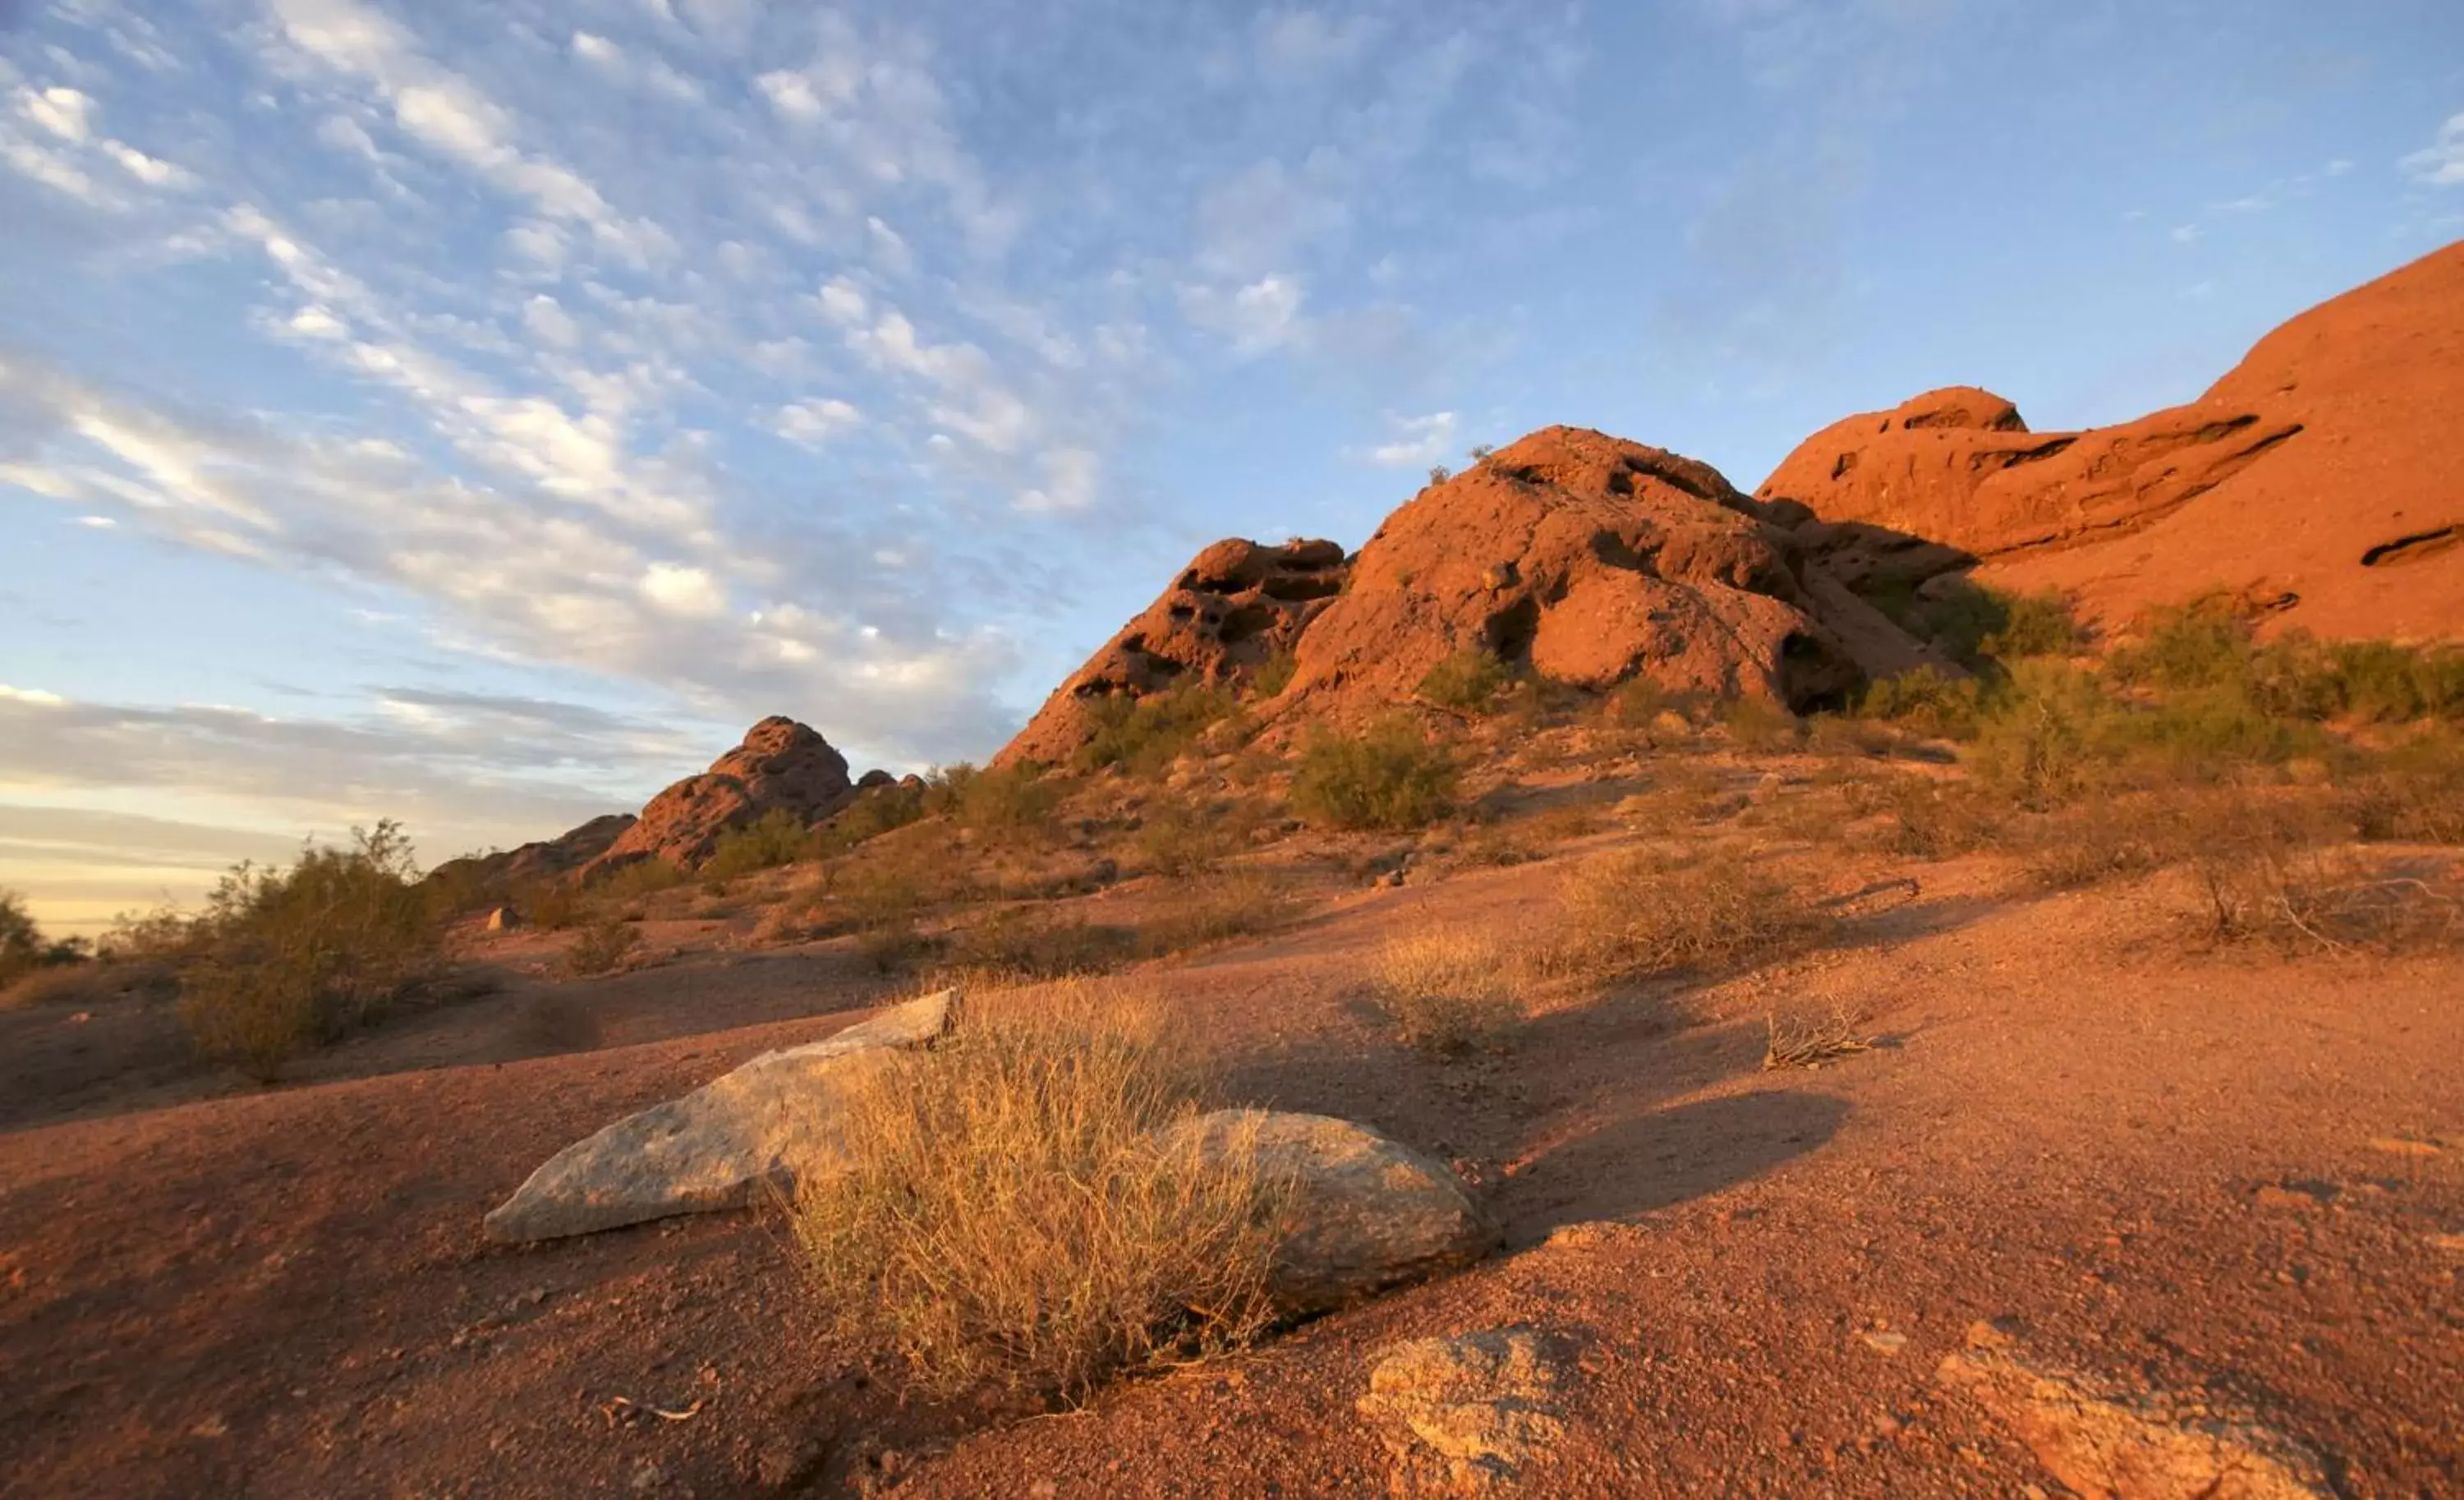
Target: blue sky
478,412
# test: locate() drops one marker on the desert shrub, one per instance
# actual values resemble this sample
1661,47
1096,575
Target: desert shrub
2198,645
1926,700
24,950
778,837
1182,838
876,811
2304,896
1143,736
1847,735
639,879
1273,675
1215,909
1636,702
1930,820
2383,682
2200,734
1978,625
2030,626
282,959
457,887
1388,776
1759,724
601,947
551,905
2413,791
1004,803
1634,912
2100,840
1444,990
1008,1217
2045,735
1468,681
1021,946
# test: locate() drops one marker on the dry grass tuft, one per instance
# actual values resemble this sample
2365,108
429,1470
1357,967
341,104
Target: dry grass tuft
1009,1219
1218,909
1637,913
2309,899
1445,990
1811,1041
1019,946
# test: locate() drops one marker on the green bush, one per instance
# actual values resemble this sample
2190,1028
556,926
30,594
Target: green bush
1927,700
1273,675
876,811
778,837
1003,802
639,879
2045,732
1024,947
2030,626
1468,681
1976,626
1389,776
2201,645
282,959
1143,736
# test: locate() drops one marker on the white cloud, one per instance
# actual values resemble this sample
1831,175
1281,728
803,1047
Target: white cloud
811,423
546,320
598,50
1071,479
1297,47
790,94
1258,318
2185,233
63,112
688,591
1416,441
2441,162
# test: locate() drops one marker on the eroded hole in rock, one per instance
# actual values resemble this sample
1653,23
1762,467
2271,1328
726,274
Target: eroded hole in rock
1813,678
1508,632
1246,623
2413,548
1617,552
1181,611
1674,476
1840,466
2214,431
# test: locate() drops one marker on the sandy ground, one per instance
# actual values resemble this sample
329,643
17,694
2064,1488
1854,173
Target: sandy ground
2197,1170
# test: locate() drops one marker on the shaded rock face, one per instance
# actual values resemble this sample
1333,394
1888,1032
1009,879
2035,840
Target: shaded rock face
2099,1439
1596,561
1464,1416
763,1124
2314,481
1366,1212
1235,606
546,859
781,765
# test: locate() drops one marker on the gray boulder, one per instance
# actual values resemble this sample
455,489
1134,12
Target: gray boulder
718,1147
1366,1212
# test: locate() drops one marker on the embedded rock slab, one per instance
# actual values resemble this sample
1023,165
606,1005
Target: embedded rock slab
763,1124
1365,1212
2102,1440
1464,1416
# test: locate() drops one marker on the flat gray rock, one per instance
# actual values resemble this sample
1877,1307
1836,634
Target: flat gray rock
1366,1212
719,1146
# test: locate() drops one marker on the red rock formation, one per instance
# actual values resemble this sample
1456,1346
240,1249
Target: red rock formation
1593,560
2317,480
544,859
1235,606
781,765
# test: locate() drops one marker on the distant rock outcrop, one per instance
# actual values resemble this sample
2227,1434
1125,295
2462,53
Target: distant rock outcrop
1237,606
781,765
2314,483
546,859
1594,560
